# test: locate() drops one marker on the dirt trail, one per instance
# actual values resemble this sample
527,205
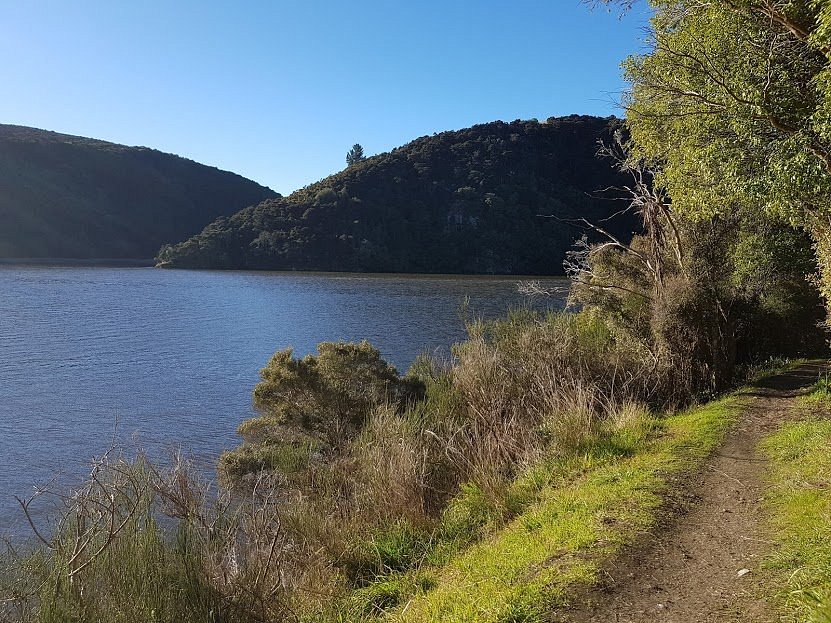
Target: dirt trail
688,571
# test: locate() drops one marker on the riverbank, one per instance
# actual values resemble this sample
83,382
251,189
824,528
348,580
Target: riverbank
87,262
668,528
655,518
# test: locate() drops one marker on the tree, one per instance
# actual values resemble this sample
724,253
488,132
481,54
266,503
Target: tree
733,107
355,155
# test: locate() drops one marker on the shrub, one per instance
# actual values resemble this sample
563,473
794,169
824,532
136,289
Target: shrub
321,400
251,459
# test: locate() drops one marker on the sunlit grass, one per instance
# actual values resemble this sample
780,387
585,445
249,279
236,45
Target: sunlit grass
820,396
799,507
574,515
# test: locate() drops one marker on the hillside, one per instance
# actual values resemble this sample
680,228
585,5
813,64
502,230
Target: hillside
466,201
66,196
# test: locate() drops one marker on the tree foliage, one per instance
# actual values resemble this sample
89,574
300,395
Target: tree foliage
72,197
704,297
732,106
457,202
355,155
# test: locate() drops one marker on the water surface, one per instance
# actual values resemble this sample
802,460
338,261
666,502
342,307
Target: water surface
160,359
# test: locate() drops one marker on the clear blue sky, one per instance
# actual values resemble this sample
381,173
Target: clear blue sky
279,91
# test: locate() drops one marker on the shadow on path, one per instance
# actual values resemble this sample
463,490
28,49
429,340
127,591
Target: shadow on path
789,384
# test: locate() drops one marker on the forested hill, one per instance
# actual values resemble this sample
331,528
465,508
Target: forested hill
66,196
467,201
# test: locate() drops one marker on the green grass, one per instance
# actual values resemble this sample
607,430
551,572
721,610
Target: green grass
799,508
820,396
574,517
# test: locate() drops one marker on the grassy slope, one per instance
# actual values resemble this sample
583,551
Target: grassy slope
517,573
799,507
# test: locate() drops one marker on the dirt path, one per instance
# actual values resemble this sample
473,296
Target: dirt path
689,570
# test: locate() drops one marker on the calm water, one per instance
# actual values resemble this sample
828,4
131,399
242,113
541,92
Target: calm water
162,359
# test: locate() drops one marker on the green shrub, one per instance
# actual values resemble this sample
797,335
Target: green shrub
315,404
286,457
329,394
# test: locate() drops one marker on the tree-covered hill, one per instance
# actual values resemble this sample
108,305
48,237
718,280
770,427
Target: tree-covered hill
467,201
66,196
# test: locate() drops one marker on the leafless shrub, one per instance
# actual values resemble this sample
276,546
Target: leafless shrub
135,538
93,515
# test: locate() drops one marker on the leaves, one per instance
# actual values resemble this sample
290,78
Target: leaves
457,202
355,155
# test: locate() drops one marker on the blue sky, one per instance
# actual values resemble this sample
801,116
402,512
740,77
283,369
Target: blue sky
279,91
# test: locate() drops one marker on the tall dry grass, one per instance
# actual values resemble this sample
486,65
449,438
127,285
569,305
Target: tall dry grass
529,387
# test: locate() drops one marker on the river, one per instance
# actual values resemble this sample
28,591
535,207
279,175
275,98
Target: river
164,360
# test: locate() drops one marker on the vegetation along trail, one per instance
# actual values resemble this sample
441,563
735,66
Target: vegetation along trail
703,564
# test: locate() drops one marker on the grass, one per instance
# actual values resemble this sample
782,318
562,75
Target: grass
799,509
604,499
819,399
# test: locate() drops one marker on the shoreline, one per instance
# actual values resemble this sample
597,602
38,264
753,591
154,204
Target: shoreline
67,261
149,263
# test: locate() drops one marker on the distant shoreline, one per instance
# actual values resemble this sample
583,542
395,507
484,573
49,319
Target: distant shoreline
137,263
66,261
